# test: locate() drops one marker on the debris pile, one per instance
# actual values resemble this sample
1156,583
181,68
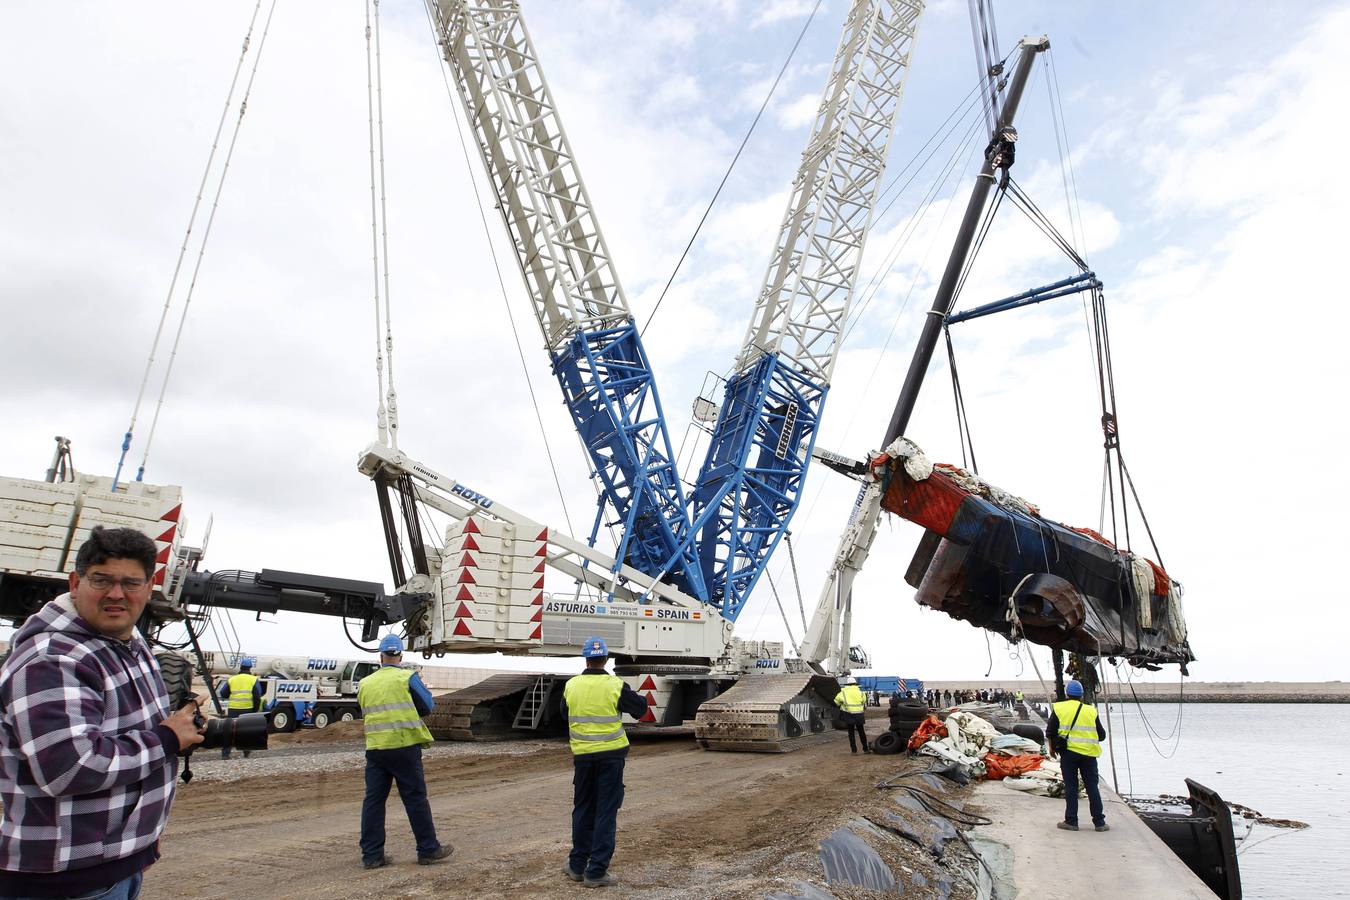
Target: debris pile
979,741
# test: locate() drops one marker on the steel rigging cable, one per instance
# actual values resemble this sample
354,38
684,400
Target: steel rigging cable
497,268
187,236
751,130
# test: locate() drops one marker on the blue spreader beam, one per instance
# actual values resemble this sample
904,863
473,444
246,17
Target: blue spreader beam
1085,281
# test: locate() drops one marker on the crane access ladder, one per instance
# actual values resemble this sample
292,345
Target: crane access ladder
531,709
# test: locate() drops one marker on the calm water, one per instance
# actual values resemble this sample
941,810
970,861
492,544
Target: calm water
1287,761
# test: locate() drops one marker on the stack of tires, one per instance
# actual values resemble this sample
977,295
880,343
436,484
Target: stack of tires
905,715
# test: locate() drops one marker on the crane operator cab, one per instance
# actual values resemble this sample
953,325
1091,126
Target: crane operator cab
352,673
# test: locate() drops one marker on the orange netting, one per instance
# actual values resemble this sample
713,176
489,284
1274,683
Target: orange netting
928,728
997,766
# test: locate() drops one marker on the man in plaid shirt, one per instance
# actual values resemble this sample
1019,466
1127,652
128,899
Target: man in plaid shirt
88,747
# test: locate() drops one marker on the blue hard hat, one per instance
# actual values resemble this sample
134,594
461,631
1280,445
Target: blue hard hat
247,662
1074,688
594,648
391,644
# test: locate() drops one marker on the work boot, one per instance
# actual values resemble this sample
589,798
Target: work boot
866,749
1101,827
852,749
380,863
1067,827
439,853
567,870
604,880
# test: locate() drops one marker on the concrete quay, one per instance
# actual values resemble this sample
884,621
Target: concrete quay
1027,853
1194,691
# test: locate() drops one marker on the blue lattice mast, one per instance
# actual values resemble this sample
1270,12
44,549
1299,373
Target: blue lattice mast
589,332
751,479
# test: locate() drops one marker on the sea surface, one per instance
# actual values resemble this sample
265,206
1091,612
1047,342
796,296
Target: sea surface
1289,761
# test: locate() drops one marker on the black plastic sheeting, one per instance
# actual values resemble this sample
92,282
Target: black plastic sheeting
943,886
849,859
933,782
808,892
928,831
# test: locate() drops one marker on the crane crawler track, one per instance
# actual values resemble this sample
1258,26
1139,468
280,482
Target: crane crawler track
485,711
768,713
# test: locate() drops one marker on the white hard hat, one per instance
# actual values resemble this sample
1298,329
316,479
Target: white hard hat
849,679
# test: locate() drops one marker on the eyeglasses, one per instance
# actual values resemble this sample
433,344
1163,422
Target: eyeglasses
100,582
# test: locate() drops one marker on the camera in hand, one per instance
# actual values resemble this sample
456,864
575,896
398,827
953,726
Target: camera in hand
246,732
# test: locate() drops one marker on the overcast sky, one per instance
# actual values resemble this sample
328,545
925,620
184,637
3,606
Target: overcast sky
1204,144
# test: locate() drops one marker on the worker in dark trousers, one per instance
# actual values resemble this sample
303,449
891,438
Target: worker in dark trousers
242,695
393,701
850,701
592,703
1076,735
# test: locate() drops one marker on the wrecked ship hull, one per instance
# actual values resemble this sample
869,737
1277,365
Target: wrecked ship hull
1003,567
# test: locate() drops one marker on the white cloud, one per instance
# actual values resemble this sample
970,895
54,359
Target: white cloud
782,10
798,113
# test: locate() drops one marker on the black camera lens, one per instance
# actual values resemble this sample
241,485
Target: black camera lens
246,732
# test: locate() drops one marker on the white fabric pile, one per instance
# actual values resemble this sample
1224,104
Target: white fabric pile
1141,575
916,463
968,738
1047,781
1014,745
1176,616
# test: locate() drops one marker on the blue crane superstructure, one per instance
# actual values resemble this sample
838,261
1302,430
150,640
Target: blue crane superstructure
714,544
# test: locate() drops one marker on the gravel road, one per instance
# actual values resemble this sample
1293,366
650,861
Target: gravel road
285,823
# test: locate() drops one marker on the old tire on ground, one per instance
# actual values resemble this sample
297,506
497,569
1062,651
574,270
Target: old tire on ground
886,743
177,674
323,718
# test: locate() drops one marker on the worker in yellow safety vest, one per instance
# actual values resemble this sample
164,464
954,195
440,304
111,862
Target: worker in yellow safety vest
851,702
393,701
1076,736
242,694
593,703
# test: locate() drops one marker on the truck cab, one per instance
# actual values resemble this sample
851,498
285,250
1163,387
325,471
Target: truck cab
351,676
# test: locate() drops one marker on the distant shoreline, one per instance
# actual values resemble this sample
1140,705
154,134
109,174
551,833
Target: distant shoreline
1193,691
1197,697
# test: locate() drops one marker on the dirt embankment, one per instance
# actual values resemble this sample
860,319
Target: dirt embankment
286,823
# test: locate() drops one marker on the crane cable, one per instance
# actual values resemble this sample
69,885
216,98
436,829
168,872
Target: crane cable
497,268
206,236
187,236
386,417
745,140
926,205
984,33
782,611
1068,179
